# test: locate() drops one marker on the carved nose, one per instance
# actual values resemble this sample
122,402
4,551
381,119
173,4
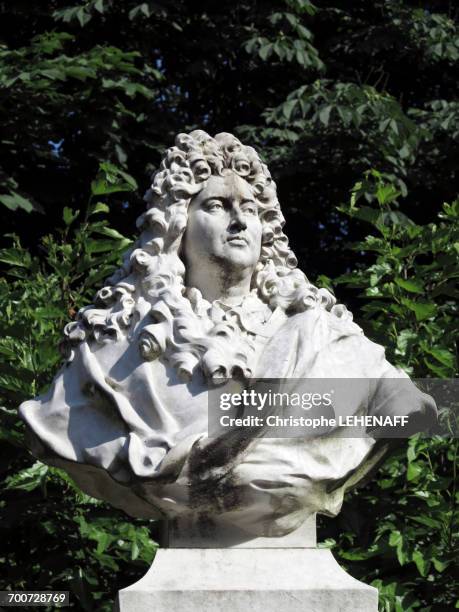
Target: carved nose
237,221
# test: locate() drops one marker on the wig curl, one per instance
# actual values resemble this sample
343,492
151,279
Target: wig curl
146,300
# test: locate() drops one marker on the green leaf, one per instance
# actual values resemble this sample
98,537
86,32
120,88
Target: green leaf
427,521
287,108
69,216
413,472
413,286
6,348
437,369
99,207
396,541
422,310
444,356
14,201
422,564
111,233
28,479
324,114
103,540
386,194
16,257
345,115
103,187
406,339
112,180
99,246
395,538
265,51
440,566
83,17
365,213
145,9
134,550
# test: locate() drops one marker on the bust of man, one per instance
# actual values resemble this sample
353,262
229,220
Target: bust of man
209,292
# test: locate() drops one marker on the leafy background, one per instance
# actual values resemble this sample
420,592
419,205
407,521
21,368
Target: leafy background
354,107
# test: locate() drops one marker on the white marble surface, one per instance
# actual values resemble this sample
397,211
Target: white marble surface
242,580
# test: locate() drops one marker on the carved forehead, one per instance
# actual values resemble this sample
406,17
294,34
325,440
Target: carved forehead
228,186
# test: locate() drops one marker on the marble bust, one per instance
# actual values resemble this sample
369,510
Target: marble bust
209,291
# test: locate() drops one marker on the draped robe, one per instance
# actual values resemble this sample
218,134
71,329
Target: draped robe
130,432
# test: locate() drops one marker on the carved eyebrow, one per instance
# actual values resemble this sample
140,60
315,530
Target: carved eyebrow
223,199
212,198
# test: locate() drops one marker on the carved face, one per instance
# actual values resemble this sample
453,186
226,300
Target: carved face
223,225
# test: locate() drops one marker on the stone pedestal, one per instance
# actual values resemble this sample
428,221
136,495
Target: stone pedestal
261,575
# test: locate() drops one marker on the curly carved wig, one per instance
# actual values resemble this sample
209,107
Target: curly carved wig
146,301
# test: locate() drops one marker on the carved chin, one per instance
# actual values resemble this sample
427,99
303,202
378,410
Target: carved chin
235,256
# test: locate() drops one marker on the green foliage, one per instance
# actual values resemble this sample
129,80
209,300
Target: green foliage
409,288
66,540
386,133
118,80
83,14
73,542
13,201
376,105
407,524
290,41
49,75
436,35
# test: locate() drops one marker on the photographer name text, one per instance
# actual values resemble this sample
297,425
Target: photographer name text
314,423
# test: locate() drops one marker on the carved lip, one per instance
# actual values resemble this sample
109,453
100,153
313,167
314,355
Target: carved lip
238,238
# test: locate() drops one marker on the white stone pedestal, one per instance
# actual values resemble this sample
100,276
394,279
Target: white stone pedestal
247,579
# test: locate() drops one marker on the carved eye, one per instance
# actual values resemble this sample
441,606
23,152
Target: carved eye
214,205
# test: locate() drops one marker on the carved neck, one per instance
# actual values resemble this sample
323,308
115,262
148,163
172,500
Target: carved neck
226,285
